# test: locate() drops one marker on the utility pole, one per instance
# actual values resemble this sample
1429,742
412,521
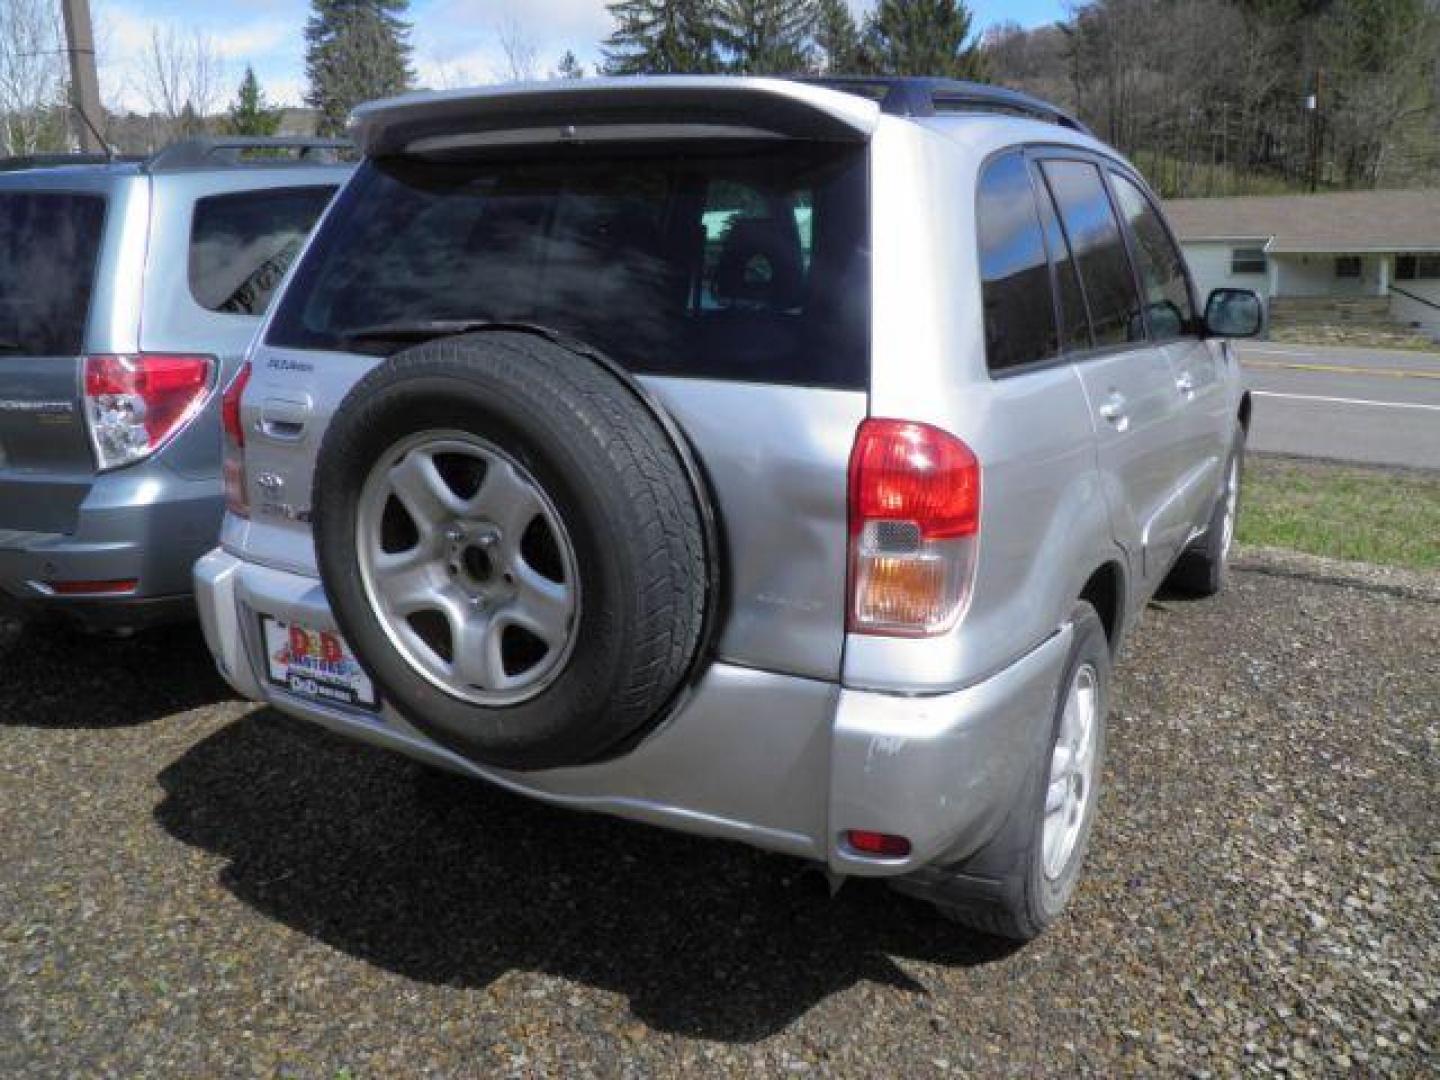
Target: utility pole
84,83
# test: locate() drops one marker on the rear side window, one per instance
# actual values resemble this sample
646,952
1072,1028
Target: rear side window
241,245
1099,249
1014,272
746,263
1162,269
1074,320
49,245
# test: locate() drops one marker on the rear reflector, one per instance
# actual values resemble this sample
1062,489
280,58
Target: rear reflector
136,404
92,588
877,845
914,521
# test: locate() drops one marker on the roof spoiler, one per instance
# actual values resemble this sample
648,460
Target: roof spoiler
572,109
233,150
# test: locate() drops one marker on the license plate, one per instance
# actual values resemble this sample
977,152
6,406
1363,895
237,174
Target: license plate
316,665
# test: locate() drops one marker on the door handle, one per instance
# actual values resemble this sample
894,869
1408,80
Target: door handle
1185,383
284,419
1112,409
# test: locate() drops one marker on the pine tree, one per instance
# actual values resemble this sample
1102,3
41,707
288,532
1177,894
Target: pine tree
766,37
250,115
661,37
923,37
355,51
569,67
837,38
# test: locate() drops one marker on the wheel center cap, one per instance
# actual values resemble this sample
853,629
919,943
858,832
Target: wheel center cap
472,557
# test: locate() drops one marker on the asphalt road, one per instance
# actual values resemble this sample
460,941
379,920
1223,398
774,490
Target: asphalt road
192,886
1375,406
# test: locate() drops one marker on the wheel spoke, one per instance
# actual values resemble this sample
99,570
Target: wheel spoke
506,499
404,581
542,606
478,661
1055,795
423,491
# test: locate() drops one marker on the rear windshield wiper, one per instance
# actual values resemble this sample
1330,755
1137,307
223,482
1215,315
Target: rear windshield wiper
10,346
418,330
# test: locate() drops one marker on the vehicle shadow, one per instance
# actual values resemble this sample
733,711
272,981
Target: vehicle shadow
451,881
53,676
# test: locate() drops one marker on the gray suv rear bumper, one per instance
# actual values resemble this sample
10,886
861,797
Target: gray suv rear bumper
147,525
790,763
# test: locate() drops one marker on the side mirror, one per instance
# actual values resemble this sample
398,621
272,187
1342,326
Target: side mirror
1233,313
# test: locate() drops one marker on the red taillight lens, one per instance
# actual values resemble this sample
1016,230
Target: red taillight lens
903,471
236,498
914,520
877,845
136,404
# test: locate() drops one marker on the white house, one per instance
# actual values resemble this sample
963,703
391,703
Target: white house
1381,244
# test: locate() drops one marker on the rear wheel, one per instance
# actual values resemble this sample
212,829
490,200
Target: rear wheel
1018,884
1204,568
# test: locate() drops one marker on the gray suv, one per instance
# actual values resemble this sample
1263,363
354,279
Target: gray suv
774,461
129,291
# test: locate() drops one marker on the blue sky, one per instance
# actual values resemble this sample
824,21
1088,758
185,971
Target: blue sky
456,41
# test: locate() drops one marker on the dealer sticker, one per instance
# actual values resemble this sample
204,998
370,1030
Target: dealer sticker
316,665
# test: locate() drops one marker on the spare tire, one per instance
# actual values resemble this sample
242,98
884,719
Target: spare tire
513,540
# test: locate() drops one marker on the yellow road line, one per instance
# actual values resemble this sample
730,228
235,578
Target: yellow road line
1342,369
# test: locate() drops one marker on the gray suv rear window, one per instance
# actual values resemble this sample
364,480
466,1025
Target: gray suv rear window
49,244
746,262
242,244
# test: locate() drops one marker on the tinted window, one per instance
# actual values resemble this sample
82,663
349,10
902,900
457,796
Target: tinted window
1075,328
49,244
1162,268
1099,249
1014,273
241,245
750,264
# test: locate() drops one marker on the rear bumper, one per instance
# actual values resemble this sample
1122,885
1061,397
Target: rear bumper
780,762
149,528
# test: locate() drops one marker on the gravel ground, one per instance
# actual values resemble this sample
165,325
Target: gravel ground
190,886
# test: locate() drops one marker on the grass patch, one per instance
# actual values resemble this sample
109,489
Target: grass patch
1343,511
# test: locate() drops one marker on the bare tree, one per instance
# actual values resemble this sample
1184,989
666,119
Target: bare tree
521,56
182,80
32,77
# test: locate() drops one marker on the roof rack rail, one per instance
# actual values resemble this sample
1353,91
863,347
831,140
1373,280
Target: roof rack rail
921,96
55,161
230,150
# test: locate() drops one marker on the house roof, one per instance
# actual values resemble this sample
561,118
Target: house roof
1345,221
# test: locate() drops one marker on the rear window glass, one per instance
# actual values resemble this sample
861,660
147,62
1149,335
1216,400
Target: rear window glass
49,244
749,263
241,245
1099,248
1014,271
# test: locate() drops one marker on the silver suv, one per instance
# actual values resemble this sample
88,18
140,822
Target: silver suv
774,461
129,292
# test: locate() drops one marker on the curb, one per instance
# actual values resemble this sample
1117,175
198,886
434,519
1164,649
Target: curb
1422,585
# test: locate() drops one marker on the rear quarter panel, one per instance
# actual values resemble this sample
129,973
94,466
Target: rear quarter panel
1044,523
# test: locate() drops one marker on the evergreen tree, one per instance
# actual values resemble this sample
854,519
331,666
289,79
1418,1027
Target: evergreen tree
923,37
355,51
837,38
569,67
250,115
766,37
661,37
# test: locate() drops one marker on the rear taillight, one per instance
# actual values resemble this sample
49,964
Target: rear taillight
236,499
914,528
136,404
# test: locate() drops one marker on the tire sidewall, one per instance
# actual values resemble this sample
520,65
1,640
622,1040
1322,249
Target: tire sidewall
1046,897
